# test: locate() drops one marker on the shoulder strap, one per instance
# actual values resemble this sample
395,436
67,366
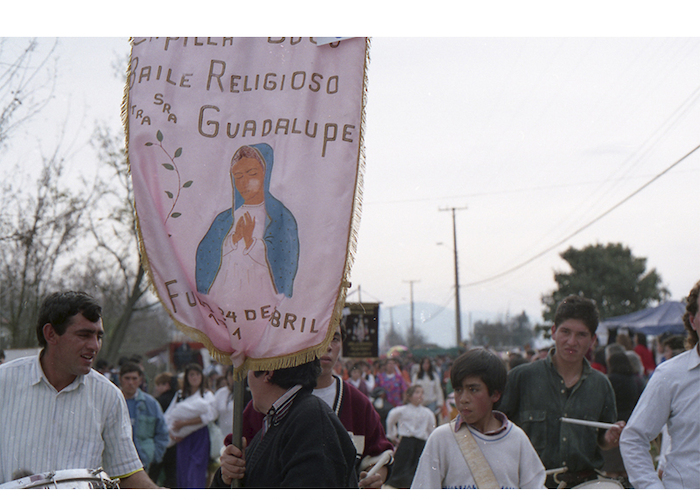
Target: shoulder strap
479,467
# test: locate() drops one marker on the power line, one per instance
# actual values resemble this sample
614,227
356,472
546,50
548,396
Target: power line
440,309
585,226
506,191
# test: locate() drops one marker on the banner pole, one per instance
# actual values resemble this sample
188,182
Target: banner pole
237,439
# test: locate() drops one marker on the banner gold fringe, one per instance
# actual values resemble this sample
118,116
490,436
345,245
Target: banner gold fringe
299,357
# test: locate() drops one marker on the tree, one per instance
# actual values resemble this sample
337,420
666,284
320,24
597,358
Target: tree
45,235
26,85
113,228
515,332
609,274
32,227
393,337
79,237
521,328
39,232
415,338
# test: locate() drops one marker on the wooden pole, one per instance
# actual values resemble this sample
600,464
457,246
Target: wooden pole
237,441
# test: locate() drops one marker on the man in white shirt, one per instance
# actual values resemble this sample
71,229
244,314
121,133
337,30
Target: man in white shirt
58,413
672,397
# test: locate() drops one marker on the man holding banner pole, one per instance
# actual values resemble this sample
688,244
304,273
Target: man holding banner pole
355,411
302,443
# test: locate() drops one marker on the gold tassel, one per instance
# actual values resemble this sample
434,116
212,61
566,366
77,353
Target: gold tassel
305,355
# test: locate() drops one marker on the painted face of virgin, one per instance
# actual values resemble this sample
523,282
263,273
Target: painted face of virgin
249,178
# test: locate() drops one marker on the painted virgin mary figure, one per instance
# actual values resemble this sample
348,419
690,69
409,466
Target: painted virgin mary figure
252,249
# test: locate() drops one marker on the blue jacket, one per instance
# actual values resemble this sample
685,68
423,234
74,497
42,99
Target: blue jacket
150,431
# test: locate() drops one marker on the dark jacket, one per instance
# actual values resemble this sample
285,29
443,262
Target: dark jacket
308,448
628,388
536,398
355,412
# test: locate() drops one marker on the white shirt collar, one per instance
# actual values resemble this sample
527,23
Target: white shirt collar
38,375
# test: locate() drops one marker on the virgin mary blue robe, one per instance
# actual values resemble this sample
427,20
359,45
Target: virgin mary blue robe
281,238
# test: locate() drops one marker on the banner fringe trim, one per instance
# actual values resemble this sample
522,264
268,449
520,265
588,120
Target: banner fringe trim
299,357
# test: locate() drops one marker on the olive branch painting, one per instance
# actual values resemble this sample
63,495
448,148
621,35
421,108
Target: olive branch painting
172,166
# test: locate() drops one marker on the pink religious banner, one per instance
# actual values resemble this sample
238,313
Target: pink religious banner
246,157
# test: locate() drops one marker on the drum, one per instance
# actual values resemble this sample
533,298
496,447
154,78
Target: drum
600,484
70,479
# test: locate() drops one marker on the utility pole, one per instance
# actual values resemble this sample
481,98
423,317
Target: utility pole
458,314
413,327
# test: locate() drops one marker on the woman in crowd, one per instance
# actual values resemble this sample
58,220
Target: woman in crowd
392,381
628,386
187,417
368,375
408,427
428,378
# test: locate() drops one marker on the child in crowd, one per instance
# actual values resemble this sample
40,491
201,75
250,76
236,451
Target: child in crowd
479,378
408,428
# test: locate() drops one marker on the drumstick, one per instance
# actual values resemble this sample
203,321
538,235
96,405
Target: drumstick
588,423
384,458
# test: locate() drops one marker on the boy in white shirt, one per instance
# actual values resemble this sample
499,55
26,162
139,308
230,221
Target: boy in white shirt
479,378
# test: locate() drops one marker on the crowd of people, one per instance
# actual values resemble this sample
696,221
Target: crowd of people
602,384
563,417
187,417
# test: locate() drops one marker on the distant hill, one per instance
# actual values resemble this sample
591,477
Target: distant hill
437,323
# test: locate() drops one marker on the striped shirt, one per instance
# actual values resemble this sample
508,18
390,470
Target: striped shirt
280,408
86,425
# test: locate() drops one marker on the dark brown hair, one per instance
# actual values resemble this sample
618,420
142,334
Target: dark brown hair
580,308
483,364
59,308
691,308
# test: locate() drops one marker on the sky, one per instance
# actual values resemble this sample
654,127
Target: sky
536,138
530,138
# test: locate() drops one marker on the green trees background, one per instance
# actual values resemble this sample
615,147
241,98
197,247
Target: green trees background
609,274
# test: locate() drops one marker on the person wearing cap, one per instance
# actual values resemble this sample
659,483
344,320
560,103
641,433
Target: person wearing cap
355,411
302,444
